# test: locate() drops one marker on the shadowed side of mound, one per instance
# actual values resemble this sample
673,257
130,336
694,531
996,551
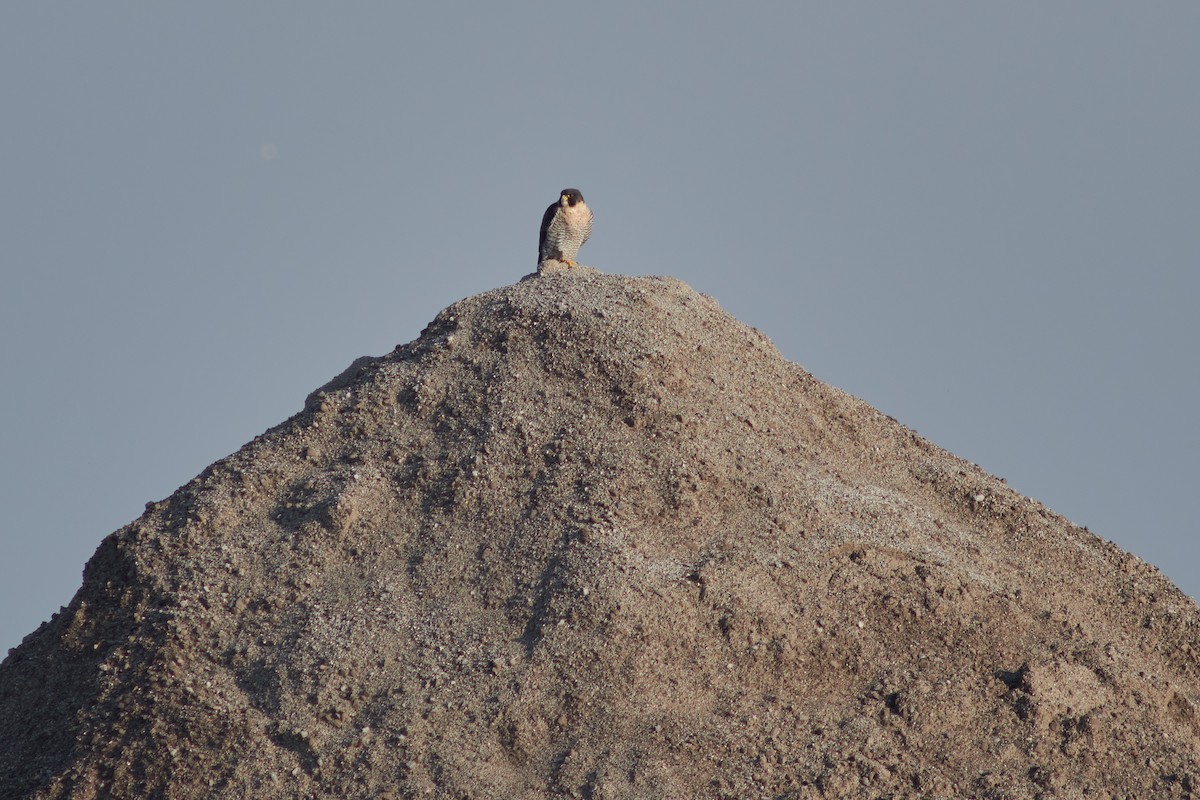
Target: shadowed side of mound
589,536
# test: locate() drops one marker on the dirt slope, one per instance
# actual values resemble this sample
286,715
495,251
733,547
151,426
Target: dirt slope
591,537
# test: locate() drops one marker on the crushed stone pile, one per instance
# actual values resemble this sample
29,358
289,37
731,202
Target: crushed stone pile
591,537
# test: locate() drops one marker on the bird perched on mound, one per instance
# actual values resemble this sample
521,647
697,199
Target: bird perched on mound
566,225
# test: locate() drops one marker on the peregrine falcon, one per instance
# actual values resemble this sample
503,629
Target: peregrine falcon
566,225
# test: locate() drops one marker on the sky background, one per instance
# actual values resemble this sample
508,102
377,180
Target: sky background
982,219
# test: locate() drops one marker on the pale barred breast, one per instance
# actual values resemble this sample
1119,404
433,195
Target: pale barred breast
578,228
567,232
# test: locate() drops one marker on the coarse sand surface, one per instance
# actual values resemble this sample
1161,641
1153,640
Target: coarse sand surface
591,537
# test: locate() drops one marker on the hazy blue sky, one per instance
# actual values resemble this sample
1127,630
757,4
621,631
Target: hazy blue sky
983,219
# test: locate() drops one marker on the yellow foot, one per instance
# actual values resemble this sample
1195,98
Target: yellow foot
569,263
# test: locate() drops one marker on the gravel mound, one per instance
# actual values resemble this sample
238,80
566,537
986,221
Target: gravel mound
591,537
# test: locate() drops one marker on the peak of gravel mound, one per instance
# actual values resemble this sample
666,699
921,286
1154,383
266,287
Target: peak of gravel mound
591,537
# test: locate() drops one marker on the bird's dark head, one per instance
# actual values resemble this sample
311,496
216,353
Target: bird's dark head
570,197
